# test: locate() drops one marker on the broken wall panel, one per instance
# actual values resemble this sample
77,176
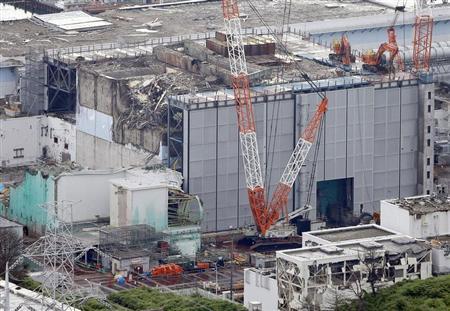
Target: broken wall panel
95,123
109,96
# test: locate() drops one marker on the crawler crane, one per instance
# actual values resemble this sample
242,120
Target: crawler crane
265,213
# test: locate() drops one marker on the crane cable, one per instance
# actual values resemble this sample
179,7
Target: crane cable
273,131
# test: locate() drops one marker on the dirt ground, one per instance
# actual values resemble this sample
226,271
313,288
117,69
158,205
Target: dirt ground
19,37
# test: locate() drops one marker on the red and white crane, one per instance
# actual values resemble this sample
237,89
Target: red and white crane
264,213
423,35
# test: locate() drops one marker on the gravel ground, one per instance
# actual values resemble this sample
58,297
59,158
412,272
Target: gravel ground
17,38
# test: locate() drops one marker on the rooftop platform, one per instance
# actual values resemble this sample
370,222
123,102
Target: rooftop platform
424,204
352,250
352,233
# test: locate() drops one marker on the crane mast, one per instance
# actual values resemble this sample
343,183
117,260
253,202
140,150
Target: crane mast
264,214
423,34
246,119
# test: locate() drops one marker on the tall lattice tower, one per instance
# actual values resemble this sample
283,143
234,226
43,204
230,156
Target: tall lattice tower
423,35
56,253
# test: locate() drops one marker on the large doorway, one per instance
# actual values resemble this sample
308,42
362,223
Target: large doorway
335,201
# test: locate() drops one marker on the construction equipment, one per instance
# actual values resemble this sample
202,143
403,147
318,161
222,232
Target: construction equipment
423,33
342,51
265,214
166,270
377,62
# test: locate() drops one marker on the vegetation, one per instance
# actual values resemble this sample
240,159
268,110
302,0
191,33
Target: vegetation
29,283
147,298
432,294
10,250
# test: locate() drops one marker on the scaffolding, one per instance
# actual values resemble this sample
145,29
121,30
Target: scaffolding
125,238
32,89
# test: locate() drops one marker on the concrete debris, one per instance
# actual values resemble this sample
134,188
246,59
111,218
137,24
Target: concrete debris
154,24
144,30
147,107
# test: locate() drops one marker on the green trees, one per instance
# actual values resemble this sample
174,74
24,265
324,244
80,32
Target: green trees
148,299
432,294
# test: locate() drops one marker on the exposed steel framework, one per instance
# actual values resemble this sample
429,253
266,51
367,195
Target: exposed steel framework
265,214
423,33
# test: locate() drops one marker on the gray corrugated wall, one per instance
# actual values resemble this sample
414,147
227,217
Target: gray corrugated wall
361,140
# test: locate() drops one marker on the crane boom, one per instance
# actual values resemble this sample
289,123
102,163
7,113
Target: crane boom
246,119
265,215
423,35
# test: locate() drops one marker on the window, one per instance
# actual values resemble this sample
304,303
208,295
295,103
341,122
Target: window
429,95
429,108
428,142
66,146
428,129
428,175
428,191
55,140
18,153
428,161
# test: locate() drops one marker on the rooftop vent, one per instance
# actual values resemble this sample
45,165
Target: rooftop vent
403,240
370,245
331,249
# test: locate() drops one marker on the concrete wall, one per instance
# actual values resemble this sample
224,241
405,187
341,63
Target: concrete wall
26,199
134,204
441,260
260,288
418,226
97,153
109,96
425,184
89,190
370,135
60,139
20,141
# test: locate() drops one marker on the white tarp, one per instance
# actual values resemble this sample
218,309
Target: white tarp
72,21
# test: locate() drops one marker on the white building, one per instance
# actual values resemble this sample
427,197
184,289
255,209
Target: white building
25,140
260,289
345,234
420,216
319,276
330,263
425,217
155,198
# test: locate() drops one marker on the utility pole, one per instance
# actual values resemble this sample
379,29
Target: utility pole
232,265
6,305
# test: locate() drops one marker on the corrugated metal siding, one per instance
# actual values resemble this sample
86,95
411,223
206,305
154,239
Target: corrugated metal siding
361,140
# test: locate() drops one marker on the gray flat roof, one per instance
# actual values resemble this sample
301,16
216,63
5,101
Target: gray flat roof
352,233
421,205
5,223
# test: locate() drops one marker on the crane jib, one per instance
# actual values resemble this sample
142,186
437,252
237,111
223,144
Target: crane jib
265,214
